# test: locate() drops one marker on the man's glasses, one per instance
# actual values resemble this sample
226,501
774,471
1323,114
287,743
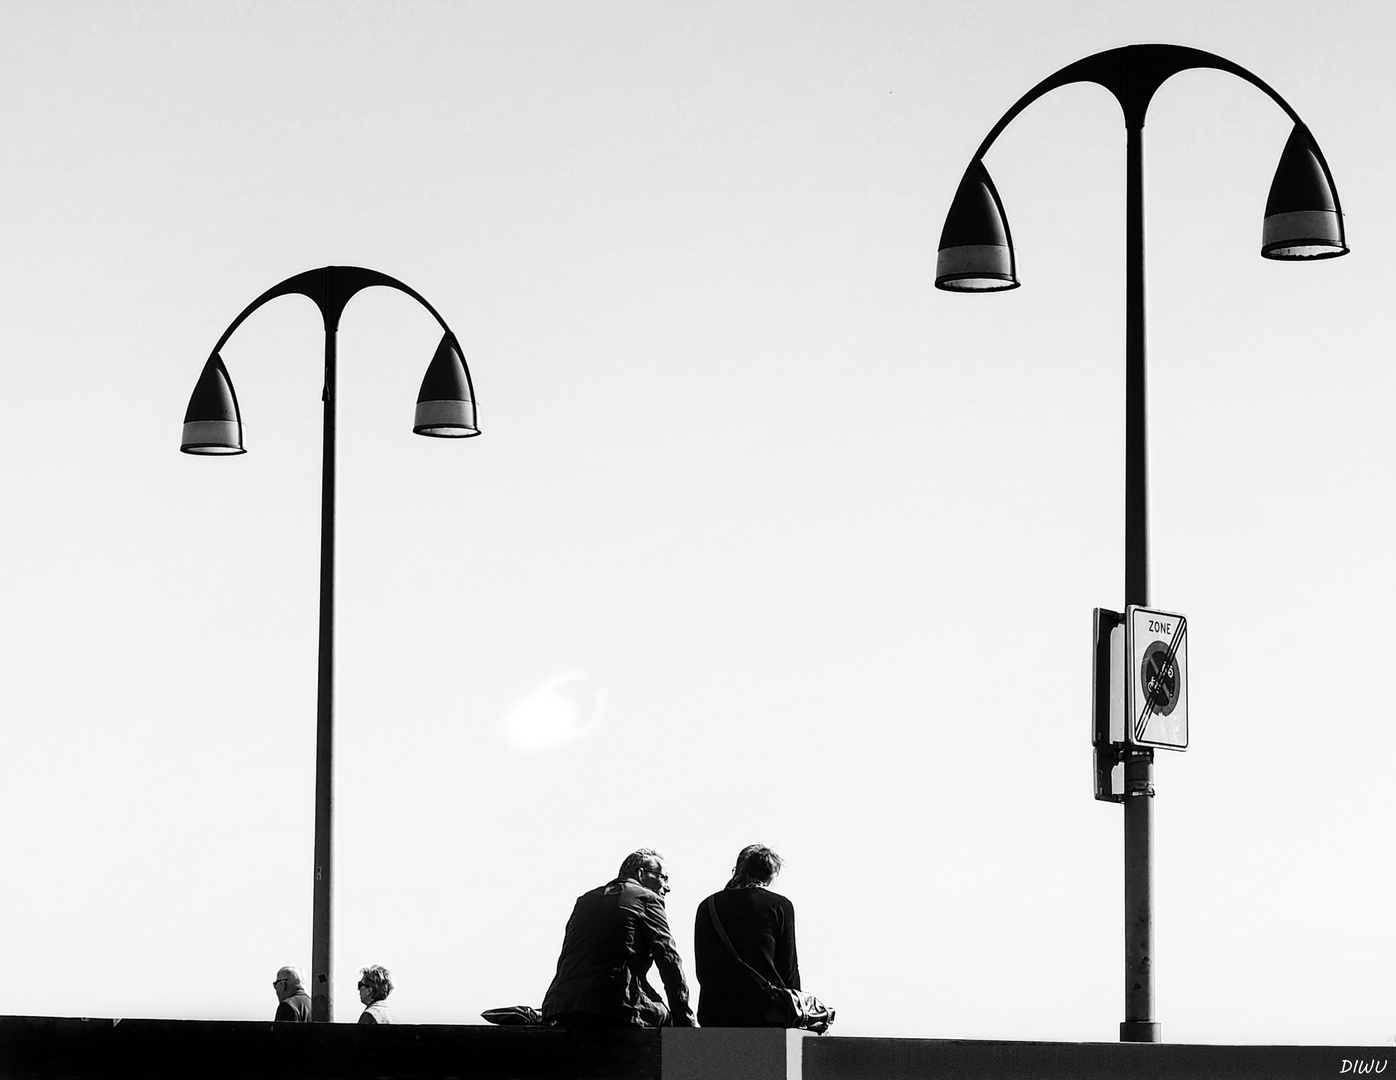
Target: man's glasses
663,878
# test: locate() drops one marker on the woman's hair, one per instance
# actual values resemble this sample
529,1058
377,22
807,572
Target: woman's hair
756,865
377,979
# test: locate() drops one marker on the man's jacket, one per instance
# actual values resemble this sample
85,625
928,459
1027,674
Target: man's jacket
295,1008
613,936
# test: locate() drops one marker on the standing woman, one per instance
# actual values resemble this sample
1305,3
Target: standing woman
760,924
375,985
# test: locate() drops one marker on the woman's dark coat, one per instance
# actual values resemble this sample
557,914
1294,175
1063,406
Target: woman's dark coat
761,926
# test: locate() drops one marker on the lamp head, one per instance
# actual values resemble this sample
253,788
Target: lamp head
976,250
446,403
1302,216
212,423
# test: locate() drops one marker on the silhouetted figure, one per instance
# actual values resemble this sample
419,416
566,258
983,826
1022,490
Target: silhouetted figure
615,933
375,984
295,1002
761,926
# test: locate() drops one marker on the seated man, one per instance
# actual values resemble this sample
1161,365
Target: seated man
615,933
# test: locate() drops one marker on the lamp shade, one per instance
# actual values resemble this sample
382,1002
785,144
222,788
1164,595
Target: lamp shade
976,250
212,423
1302,216
446,403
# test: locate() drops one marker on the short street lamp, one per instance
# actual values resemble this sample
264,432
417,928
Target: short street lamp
213,425
1303,220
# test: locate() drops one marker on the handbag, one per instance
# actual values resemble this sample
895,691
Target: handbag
789,1008
513,1016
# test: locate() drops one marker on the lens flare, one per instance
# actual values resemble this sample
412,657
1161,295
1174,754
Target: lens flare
561,711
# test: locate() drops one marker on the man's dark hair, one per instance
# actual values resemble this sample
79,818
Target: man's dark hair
756,865
641,859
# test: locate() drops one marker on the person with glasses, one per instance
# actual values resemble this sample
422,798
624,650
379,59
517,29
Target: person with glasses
616,933
295,1002
375,984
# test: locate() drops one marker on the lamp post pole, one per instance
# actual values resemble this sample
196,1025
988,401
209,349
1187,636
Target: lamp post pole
213,425
322,900
1303,220
1139,1024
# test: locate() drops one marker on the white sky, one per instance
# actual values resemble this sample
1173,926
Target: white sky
783,544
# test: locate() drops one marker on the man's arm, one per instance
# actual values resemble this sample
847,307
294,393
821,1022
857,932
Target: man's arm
666,957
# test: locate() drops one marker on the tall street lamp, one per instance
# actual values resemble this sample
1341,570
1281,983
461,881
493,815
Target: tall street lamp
213,425
1303,220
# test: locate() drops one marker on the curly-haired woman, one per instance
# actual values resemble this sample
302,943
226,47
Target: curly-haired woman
375,984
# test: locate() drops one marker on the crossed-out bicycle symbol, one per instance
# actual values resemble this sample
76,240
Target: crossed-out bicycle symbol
1160,679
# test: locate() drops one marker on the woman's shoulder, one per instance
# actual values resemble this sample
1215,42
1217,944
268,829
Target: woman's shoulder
752,898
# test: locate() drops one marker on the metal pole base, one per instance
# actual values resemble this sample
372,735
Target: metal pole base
1149,1031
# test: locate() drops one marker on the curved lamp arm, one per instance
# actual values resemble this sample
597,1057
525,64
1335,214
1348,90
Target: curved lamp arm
1133,74
330,288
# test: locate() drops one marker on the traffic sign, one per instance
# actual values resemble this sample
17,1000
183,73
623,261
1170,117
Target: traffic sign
1156,678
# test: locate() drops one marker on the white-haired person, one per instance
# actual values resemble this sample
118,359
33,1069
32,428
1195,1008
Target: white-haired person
375,984
294,1004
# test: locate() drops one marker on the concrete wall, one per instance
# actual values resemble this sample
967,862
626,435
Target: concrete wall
49,1047
40,1046
948,1059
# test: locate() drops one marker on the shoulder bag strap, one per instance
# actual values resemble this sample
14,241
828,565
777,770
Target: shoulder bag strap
717,925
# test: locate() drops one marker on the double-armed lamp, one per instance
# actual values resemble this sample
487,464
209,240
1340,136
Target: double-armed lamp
1303,218
1303,221
445,404
213,425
